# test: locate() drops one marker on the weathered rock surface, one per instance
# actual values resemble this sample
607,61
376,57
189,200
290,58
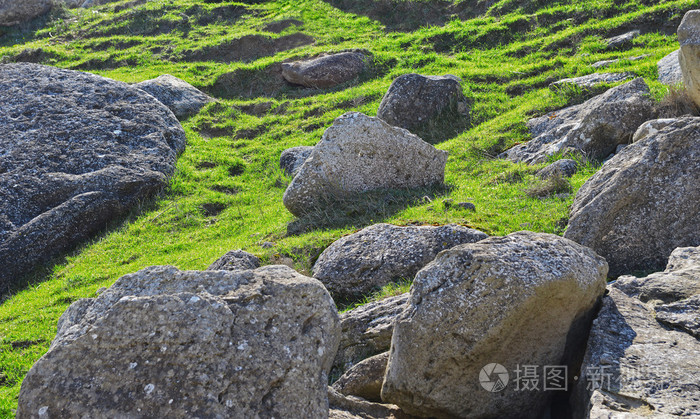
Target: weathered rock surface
595,127
349,407
326,71
592,80
643,355
380,254
293,158
13,12
364,379
651,128
360,153
563,168
689,54
644,202
623,40
414,100
235,260
78,150
669,69
523,299
168,343
366,330
181,97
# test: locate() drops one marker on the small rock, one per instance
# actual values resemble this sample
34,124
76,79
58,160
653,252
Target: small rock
523,299
366,331
689,55
267,245
467,206
360,153
643,203
414,100
605,63
670,69
364,379
563,168
622,41
592,80
326,71
293,158
181,97
448,202
235,260
380,254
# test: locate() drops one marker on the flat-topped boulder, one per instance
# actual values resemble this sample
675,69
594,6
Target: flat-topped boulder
326,71
168,343
359,153
79,150
594,128
645,201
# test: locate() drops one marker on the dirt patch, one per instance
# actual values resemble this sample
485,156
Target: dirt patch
212,209
222,14
236,169
280,25
24,344
249,134
203,165
29,55
246,49
104,64
228,190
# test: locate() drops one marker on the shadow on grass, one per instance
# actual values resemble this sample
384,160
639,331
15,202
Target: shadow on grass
364,209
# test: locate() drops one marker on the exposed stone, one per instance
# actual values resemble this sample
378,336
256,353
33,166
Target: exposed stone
604,63
595,127
467,206
293,158
563,168
643,355
689,54
670,69
651,128
78,151
181,97
326,71
643,203
380,254
364,379
359,153
190,344
592,80
235,260
366,331
523,299
349,407
414,100
13,12
622,41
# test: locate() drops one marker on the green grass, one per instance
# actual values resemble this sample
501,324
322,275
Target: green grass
227,190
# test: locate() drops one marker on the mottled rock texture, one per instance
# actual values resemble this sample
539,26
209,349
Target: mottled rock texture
414,100
643,355
359,153
168,343
375,256
669,69
623,40
644,202
78,150
293,158
594,128
181,97
592,80
563,168
350,407
326,71
522,299
689,54
364,379
235,260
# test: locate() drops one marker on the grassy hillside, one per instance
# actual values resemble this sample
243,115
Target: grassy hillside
227,191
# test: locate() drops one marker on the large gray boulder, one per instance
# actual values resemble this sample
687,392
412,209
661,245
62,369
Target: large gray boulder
414,100
523,299
326,71
366,331
13,12
375,256
689,54
359,153
594,128
181,97
643,354
78,150
669,69
168,343
644,202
